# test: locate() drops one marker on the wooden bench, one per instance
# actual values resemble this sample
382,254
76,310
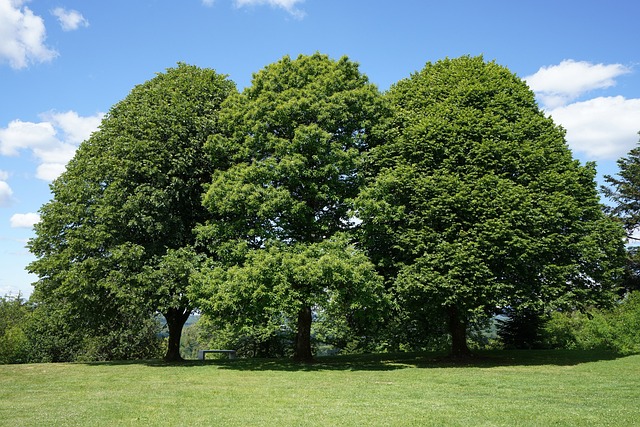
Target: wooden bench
202,353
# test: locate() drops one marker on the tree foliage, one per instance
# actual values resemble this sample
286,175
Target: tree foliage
14,312
522,329
128,203
192,195
260,300
624,193
478,203
294,142
616,328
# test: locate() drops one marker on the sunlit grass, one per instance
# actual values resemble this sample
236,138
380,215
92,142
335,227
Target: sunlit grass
504,388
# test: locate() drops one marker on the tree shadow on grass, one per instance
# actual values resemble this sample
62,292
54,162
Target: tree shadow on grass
395,361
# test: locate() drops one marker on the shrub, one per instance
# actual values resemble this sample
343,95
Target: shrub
617,329
14,313
626,321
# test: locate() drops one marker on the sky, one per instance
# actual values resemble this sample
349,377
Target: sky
65,63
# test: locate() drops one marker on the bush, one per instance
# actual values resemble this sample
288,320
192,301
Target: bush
137,339
626,322
14,344
53,337
617,329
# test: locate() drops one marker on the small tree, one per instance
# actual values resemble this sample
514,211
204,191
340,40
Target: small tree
522,329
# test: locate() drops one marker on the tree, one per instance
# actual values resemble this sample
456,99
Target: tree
477,205
521,329
624,192
116,236
264,296
294,142
631,280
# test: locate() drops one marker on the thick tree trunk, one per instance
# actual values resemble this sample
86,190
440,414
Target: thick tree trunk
303,338
458,331
176,318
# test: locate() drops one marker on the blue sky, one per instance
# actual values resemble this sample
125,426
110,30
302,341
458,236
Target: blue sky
64,63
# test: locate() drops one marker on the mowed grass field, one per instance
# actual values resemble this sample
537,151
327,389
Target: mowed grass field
525,388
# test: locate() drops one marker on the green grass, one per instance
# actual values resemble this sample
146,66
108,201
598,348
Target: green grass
538,388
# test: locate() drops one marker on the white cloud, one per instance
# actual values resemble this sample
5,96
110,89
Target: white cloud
21,135
24,220
288,5
22,35
208,3
603,128
53,159
69,20
560,84
74,127
6,194
50,171
52,142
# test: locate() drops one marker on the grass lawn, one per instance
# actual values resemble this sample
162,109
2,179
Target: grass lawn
535,388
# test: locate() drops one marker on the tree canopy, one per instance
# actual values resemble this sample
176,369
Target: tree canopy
128,203
312,196
477,204
294,141
264,296
624,193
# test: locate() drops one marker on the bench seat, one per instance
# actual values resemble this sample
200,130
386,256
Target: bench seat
202,353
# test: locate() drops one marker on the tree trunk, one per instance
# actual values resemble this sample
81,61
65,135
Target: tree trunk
176,318
303,337
458,331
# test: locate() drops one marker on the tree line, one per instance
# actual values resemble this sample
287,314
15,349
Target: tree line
310,205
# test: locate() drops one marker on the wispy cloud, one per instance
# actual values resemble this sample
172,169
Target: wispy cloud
6,194
602,128
22,35
53,141
288,5
69,20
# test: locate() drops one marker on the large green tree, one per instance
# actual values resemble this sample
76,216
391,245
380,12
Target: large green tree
294,142
117,236
477,203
